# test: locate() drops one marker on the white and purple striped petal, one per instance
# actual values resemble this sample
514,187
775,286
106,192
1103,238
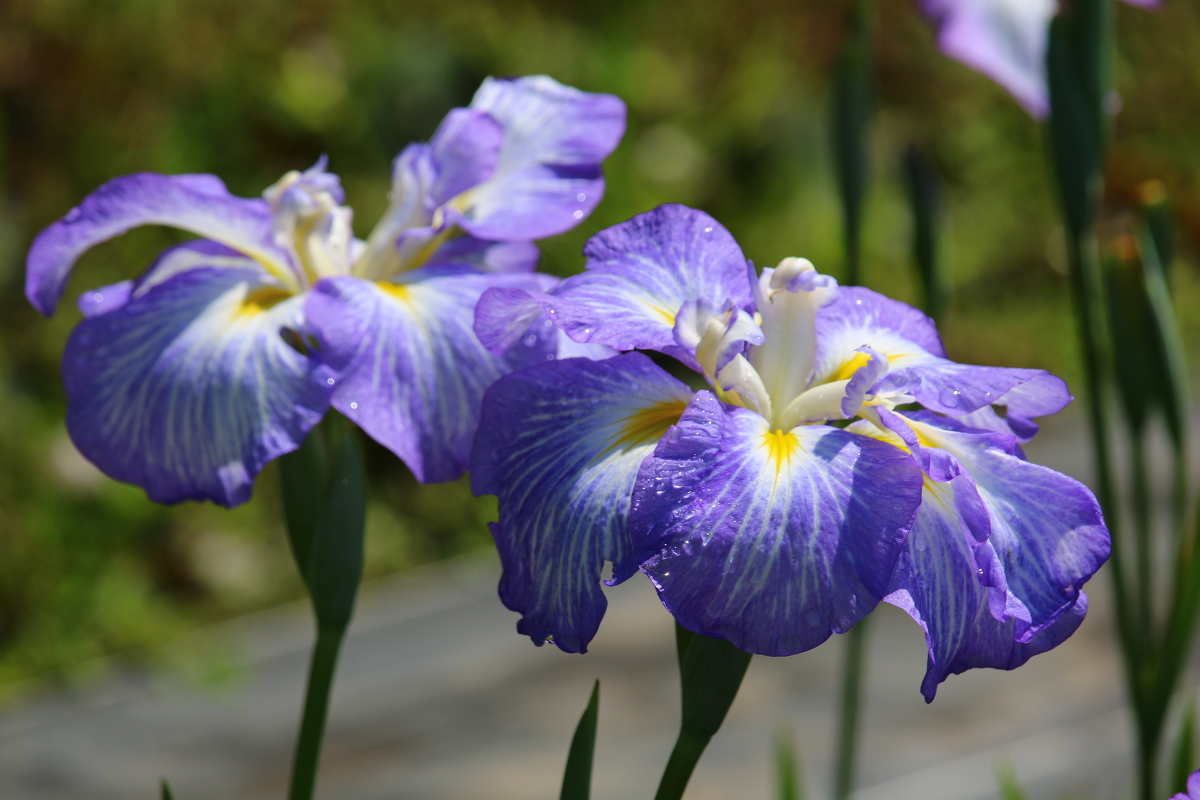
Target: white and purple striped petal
771,540
639,275
196,203
187,390
917,365
937,583
547,175
412,372
1047,535
560,445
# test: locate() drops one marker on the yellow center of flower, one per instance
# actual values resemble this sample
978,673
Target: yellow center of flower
781,446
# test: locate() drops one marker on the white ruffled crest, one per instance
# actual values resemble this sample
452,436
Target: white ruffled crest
310,221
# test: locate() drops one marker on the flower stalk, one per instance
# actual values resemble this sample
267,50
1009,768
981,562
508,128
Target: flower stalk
324,500
710,672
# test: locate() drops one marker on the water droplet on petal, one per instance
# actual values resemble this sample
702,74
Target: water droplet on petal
581,197
354,405
549,356
708,230
329,381
578,214
548,324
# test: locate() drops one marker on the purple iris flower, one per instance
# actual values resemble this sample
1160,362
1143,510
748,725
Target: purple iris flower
1193,788
1004,39
779,505
230,348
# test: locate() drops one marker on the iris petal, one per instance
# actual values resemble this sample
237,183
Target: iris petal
548,175
916,363
937,583
1047,532
412,372
196,203
188,390
560,444
639,274
771,540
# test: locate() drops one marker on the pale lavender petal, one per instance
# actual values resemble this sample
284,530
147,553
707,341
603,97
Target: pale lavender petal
412,372
95,302
466,148
548,175
192,203
841,326
560,445
188,390
770,540
1004,39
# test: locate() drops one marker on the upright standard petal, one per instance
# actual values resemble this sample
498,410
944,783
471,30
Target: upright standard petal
560,445
412,372
548,174
640,273
195,203
188,390
771,540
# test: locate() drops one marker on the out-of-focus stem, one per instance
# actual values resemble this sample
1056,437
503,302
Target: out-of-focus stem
852,682
316,706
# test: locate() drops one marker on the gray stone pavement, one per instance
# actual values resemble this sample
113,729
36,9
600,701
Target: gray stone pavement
437,698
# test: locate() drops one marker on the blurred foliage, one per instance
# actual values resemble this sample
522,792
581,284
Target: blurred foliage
728,105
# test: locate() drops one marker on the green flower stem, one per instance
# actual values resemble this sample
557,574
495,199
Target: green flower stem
710,673
684,757
852,682
324,503
316,706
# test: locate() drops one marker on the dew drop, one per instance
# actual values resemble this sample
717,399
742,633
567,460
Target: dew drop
548,324
578,214
530,340
708,230
549,356
354,405
581,197
97,297
329,381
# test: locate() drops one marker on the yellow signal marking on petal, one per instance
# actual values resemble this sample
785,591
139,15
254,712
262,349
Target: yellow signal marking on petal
261,300
649,424
398,291
780,447
667,315
847,370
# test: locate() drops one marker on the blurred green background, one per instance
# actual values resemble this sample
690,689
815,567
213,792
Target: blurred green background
727,111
